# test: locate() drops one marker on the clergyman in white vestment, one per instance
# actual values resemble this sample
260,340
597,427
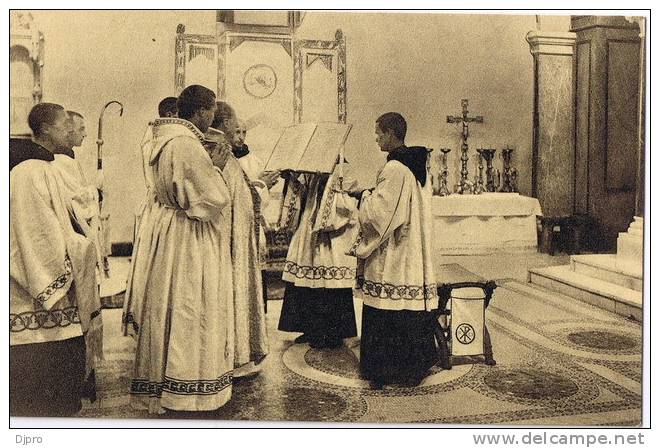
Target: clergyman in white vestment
179,293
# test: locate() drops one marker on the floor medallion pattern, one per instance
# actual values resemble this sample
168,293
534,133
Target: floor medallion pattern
558,363
534,385
602,340
340,368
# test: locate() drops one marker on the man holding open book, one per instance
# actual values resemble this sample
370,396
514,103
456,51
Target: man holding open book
319,276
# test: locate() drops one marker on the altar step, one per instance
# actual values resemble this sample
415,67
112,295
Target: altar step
618,299
608,268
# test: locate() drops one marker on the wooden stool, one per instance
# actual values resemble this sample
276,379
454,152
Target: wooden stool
570,237
573,231
455,276
547,240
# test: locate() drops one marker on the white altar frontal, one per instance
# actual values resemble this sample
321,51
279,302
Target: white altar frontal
484,223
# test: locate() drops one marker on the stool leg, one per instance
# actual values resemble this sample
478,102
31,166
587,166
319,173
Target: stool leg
488,348
546,238
264,289
443,349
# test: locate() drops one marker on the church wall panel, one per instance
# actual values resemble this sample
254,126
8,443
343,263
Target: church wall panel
250,57
622,91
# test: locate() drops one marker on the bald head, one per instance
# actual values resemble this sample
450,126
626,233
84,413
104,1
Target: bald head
240,133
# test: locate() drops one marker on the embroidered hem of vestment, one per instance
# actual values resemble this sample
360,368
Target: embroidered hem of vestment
59,283
43,319
397,292
320,272
175,386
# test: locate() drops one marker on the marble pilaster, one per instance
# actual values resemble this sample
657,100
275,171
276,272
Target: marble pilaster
553,149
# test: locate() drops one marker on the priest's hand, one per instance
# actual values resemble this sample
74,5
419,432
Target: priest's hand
219,155
354,192
269,178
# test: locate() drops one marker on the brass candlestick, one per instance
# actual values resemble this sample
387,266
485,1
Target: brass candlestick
444,173
488,155
506,167
479,181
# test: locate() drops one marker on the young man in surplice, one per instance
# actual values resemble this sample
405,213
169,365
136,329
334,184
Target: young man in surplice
396,281
55,311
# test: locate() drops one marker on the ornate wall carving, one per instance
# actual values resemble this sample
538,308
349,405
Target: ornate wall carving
245,67
26,61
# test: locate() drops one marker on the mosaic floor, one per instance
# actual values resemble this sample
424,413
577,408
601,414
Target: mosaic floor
559,362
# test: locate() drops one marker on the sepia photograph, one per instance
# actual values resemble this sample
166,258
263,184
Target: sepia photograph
388,218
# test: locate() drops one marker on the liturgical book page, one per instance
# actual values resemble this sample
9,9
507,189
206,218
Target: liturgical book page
324,147
290,147
309,147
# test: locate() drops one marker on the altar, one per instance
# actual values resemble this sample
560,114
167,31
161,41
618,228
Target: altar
484,223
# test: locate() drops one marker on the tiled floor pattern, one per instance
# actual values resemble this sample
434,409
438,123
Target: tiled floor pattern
559,362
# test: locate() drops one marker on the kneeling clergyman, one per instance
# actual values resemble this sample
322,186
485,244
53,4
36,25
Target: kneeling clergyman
396,281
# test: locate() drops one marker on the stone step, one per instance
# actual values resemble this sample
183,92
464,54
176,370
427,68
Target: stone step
630,243
636,227
606,267
630,246
617,299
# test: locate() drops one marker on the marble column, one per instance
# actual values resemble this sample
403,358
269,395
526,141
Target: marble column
553,151
607,124
640,184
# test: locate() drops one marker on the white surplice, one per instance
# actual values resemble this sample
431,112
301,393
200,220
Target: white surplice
82,200
53,292
394,245
317,256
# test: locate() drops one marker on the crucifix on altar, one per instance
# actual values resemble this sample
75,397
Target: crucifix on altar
464,185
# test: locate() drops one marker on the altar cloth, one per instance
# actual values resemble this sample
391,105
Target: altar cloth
485,223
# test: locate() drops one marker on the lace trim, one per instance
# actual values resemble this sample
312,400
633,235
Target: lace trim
297,189
353,250
181,387
43,319
191,127
320,272
59,283
397,292
328,205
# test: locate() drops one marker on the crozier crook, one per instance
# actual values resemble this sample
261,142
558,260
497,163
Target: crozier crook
99,185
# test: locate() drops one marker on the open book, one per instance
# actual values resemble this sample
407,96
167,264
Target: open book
309,147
